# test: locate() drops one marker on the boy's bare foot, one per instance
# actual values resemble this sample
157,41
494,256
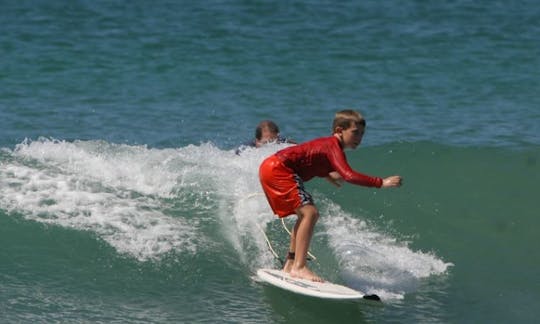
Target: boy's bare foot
305,273
288,266
289,261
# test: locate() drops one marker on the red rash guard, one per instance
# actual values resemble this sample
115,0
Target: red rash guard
321,156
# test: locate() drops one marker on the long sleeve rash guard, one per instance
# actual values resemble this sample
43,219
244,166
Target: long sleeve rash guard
319,157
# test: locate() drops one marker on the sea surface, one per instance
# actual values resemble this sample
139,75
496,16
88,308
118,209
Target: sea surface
122,199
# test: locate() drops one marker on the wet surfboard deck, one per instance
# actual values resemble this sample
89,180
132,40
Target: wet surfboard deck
325,290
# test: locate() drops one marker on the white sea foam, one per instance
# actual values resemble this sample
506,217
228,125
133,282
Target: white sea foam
149,171
249,213
147,203
124,194
114,191
373,261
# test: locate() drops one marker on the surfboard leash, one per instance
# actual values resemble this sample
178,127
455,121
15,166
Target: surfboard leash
270,246
311,257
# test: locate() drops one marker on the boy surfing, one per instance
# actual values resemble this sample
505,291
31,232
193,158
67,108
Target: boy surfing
282,176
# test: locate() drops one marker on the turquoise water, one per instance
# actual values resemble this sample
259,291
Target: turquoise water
121,198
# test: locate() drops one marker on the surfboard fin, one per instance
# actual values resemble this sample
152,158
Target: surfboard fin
372,297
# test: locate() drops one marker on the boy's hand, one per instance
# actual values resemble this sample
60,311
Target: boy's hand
393,181
334,178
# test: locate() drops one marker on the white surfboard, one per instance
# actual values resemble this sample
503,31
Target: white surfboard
326,290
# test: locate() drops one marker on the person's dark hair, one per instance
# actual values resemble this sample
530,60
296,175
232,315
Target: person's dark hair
266,124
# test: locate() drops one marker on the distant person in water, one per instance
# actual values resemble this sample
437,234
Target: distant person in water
266,132
283,174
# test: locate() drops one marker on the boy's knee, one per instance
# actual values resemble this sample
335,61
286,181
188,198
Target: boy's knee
310,211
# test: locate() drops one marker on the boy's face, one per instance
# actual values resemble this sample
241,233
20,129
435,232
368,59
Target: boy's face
352,136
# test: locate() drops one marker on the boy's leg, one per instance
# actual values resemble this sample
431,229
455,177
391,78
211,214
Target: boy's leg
292,248
300,240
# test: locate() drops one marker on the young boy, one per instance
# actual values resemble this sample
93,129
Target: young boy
282,176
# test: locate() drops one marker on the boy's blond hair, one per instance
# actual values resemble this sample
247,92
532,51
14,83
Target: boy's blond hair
344,119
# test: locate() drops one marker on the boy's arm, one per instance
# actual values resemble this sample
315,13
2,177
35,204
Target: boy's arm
338,160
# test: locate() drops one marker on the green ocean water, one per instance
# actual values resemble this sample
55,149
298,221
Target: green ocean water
86,239
121,198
